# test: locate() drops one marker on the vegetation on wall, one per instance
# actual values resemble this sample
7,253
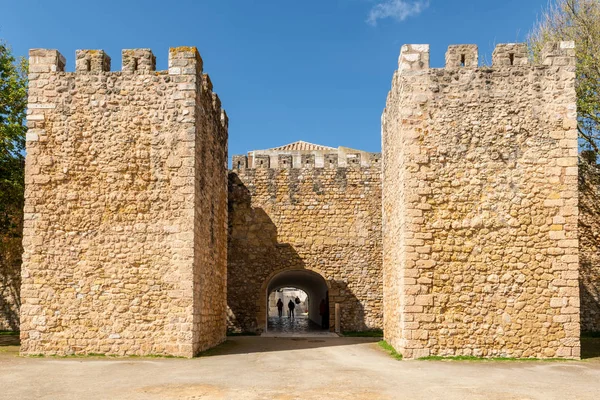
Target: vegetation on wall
579,21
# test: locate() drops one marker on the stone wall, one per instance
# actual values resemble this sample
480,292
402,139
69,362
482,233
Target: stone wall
480,205
589,245
326,220
125,207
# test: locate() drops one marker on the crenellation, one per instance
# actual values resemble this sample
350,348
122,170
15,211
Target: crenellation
462,56
307,161
45,60
138,60
285,161
216,102
510,54
224,119
185,61
207,83
558,54
93,61
375,159
240,162
331,160
414,58
353,160
262,161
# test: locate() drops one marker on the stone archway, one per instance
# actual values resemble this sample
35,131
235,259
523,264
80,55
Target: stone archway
315,286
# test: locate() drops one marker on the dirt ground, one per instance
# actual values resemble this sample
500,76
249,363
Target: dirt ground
294,368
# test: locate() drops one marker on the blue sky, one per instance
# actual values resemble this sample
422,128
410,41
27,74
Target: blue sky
313,70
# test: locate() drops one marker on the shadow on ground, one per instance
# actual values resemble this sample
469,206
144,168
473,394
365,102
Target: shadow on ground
590,347
9,340
254,344
9,344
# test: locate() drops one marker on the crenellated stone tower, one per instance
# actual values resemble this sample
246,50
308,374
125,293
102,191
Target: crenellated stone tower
126,206
480,204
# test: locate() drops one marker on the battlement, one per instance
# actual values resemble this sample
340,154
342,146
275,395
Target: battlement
415,57
184,75
306,161
182,61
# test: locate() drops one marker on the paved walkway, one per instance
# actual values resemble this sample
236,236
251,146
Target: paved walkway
299,326
293,368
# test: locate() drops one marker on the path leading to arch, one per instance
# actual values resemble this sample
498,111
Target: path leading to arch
299,326
250,368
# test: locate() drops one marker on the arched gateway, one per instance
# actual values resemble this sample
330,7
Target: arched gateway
306,216
313,284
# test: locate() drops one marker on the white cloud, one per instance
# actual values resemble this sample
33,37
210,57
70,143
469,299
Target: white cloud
396,9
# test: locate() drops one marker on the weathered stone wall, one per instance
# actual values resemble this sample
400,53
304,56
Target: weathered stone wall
589,245
125,218
480,205
326,220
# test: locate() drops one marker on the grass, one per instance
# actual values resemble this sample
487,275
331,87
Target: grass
389,349
91,355
9,333
373,333
474,358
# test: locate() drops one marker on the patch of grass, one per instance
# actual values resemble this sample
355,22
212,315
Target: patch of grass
373,333
9,333
242,334
474,358
389,349
151,356
91,355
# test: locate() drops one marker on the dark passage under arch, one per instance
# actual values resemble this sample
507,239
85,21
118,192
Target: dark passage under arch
313,284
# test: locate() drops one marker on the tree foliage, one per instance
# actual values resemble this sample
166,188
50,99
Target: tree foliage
579,21
13,105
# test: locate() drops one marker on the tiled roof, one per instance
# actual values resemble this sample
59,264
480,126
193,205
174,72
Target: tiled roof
301,145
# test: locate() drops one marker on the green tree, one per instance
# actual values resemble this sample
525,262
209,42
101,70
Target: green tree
13,104
579,21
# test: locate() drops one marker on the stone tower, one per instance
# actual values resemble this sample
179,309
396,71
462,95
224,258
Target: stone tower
480,204
126,207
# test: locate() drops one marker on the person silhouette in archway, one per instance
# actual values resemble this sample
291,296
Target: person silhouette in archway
280,307
291,306
324,317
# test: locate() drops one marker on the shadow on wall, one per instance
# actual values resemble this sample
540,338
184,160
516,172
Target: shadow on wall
10,283
589,243
255,256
